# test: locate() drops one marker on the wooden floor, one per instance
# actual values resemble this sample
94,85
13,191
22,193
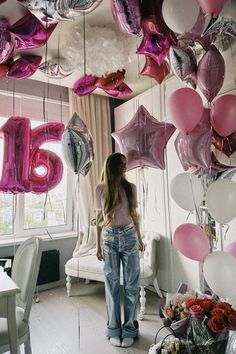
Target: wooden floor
62,325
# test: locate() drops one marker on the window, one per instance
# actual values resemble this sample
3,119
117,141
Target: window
24,214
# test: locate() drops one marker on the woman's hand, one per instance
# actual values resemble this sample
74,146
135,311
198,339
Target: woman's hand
141,246
99,254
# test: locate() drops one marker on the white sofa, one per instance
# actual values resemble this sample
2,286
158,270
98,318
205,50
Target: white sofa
84,264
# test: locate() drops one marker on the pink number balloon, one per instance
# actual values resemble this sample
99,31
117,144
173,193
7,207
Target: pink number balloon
223,113
180,109
15,171
212,7
48,159
191,241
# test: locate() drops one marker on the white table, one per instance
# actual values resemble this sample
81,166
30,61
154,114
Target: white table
8,291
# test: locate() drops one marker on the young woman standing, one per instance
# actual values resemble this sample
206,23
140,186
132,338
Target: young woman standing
116,202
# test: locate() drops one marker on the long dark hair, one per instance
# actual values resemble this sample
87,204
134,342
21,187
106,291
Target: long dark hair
113,179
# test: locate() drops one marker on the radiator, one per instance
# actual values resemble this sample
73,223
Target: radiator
48,270
49,267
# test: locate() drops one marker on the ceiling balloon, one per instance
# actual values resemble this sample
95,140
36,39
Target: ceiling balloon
152,69
156,46
29,32
24,67
127,15
7,43
61,9
55,68
180,15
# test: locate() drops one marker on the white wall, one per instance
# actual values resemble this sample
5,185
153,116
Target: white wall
159,212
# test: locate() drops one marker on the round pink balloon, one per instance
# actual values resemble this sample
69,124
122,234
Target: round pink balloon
185,109
223,113
231,248
212,7
191,241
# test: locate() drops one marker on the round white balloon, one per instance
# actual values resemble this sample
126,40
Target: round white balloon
219,270
180,15
187,191
221,200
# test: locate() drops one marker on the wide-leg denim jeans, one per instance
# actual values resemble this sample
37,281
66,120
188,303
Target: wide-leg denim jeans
120,246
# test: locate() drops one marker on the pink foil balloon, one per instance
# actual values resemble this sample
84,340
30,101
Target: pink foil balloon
143,140
212,7
231,248
152,69
110,81
122,90
211,73
41,157
15,170
24,67
152,19
180,109
6,42
191,241
127,15
223,115
85,85
29,32
156,46
194,148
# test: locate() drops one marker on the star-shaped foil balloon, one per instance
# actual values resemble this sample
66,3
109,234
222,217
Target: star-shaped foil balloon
156,46
143,140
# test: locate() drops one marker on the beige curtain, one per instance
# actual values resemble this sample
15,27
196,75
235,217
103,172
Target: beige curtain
94,110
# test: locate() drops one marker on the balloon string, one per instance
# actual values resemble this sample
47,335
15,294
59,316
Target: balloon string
84,36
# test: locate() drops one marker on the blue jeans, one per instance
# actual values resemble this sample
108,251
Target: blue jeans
120,245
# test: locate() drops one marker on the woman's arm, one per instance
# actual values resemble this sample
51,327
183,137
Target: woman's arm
141,245
98,235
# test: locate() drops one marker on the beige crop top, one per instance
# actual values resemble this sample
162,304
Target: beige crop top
122,214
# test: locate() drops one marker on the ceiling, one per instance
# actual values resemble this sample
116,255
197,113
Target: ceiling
102,17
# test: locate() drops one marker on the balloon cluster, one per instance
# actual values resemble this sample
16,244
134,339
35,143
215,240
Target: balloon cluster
27,33
203,131
143,140
113,84
77,146
172,30
192,242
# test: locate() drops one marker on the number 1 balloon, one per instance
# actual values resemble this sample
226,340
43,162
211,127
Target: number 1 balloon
143,140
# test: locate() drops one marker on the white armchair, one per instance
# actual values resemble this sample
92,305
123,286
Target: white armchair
87,266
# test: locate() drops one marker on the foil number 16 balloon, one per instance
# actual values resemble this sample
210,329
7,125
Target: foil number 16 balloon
22,156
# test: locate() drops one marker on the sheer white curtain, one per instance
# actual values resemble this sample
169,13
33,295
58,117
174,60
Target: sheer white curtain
94,110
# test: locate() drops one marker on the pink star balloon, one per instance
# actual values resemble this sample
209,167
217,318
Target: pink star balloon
143,140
